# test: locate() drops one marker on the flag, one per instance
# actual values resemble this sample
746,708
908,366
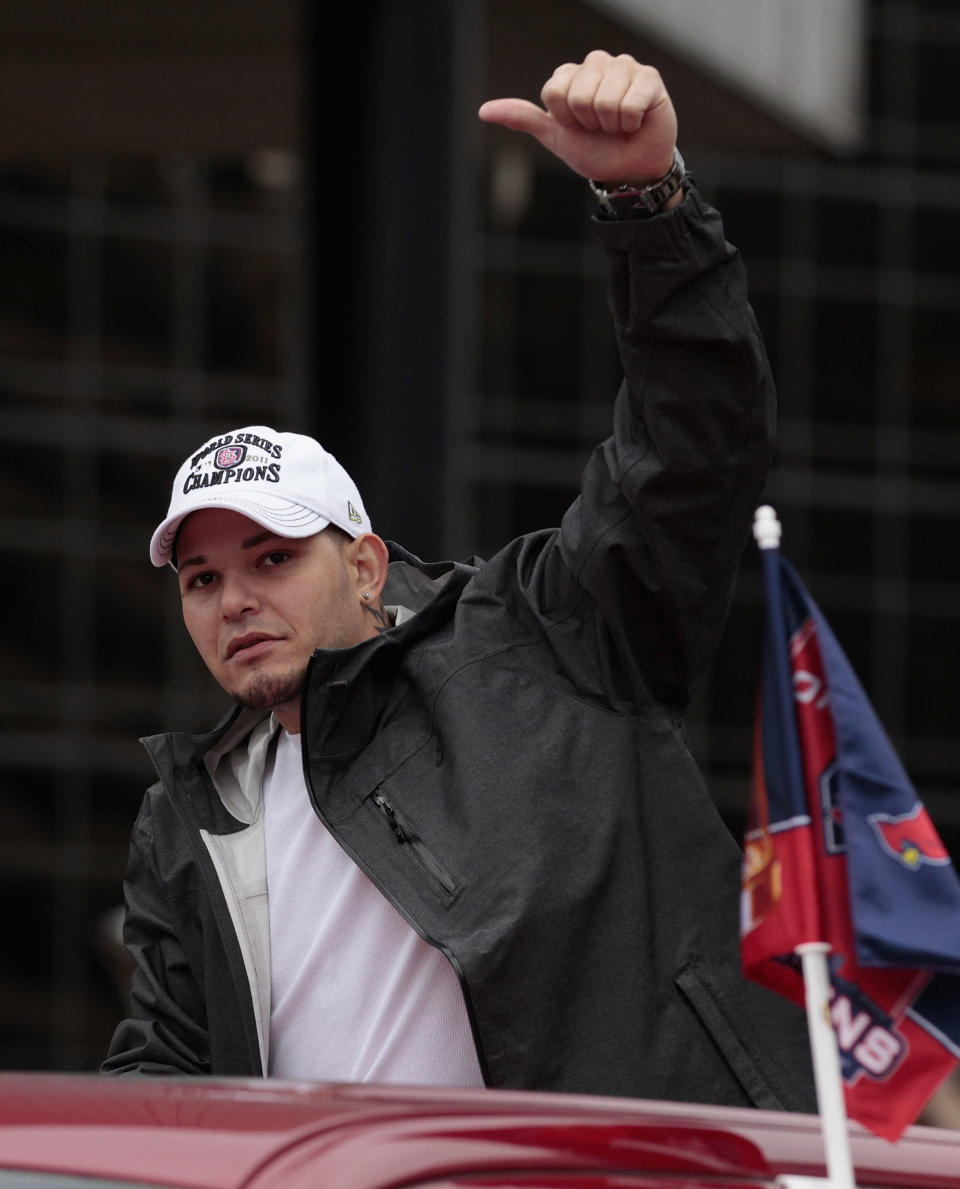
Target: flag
839,849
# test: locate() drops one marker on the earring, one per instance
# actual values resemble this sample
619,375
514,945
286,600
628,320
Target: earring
366,594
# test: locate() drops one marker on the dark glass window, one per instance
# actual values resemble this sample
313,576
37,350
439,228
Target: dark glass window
138,301
33,292
846,351
847,233
933,369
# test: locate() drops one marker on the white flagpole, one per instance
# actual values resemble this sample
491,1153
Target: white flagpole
816,984
826,1064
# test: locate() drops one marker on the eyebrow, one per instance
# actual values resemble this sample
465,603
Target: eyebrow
249,543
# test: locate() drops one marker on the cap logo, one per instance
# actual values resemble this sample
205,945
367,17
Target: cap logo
230,456
353,514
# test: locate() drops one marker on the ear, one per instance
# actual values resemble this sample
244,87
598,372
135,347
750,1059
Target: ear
370,558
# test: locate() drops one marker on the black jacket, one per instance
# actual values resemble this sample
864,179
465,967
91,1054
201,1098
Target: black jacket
509,766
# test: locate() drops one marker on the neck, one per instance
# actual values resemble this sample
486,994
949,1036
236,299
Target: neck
288,716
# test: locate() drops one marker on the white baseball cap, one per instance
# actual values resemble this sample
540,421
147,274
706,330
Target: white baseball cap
285,481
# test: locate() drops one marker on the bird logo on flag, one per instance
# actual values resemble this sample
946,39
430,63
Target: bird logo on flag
911,838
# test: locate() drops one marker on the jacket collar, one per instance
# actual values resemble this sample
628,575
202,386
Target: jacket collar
210,777
347,692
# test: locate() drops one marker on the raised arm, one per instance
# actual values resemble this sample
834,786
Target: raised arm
656,536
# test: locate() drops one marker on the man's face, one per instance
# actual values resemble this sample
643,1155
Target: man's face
256,605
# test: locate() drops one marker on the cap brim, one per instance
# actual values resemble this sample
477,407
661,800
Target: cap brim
283,517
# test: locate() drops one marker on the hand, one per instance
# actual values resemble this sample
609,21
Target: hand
608,118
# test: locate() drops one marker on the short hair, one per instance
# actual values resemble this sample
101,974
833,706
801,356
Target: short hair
340,536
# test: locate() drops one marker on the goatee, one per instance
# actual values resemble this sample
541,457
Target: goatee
267,690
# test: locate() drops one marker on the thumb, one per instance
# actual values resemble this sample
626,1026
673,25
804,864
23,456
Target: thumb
518,114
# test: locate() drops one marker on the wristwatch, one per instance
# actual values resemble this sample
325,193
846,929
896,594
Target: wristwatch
626,199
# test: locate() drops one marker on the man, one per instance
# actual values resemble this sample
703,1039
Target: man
452,833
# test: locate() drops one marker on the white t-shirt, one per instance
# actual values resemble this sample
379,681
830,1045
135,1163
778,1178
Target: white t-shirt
356,994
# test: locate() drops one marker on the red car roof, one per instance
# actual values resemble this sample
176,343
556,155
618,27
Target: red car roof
224,1134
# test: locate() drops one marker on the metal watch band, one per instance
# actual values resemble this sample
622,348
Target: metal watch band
626,198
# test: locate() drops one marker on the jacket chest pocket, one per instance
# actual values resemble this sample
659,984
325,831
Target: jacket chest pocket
405,836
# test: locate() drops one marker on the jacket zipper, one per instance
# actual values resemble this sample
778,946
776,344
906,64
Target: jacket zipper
445,881
407,836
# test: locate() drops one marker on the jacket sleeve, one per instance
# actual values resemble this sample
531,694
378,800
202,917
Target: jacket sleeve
167,1030
647,556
